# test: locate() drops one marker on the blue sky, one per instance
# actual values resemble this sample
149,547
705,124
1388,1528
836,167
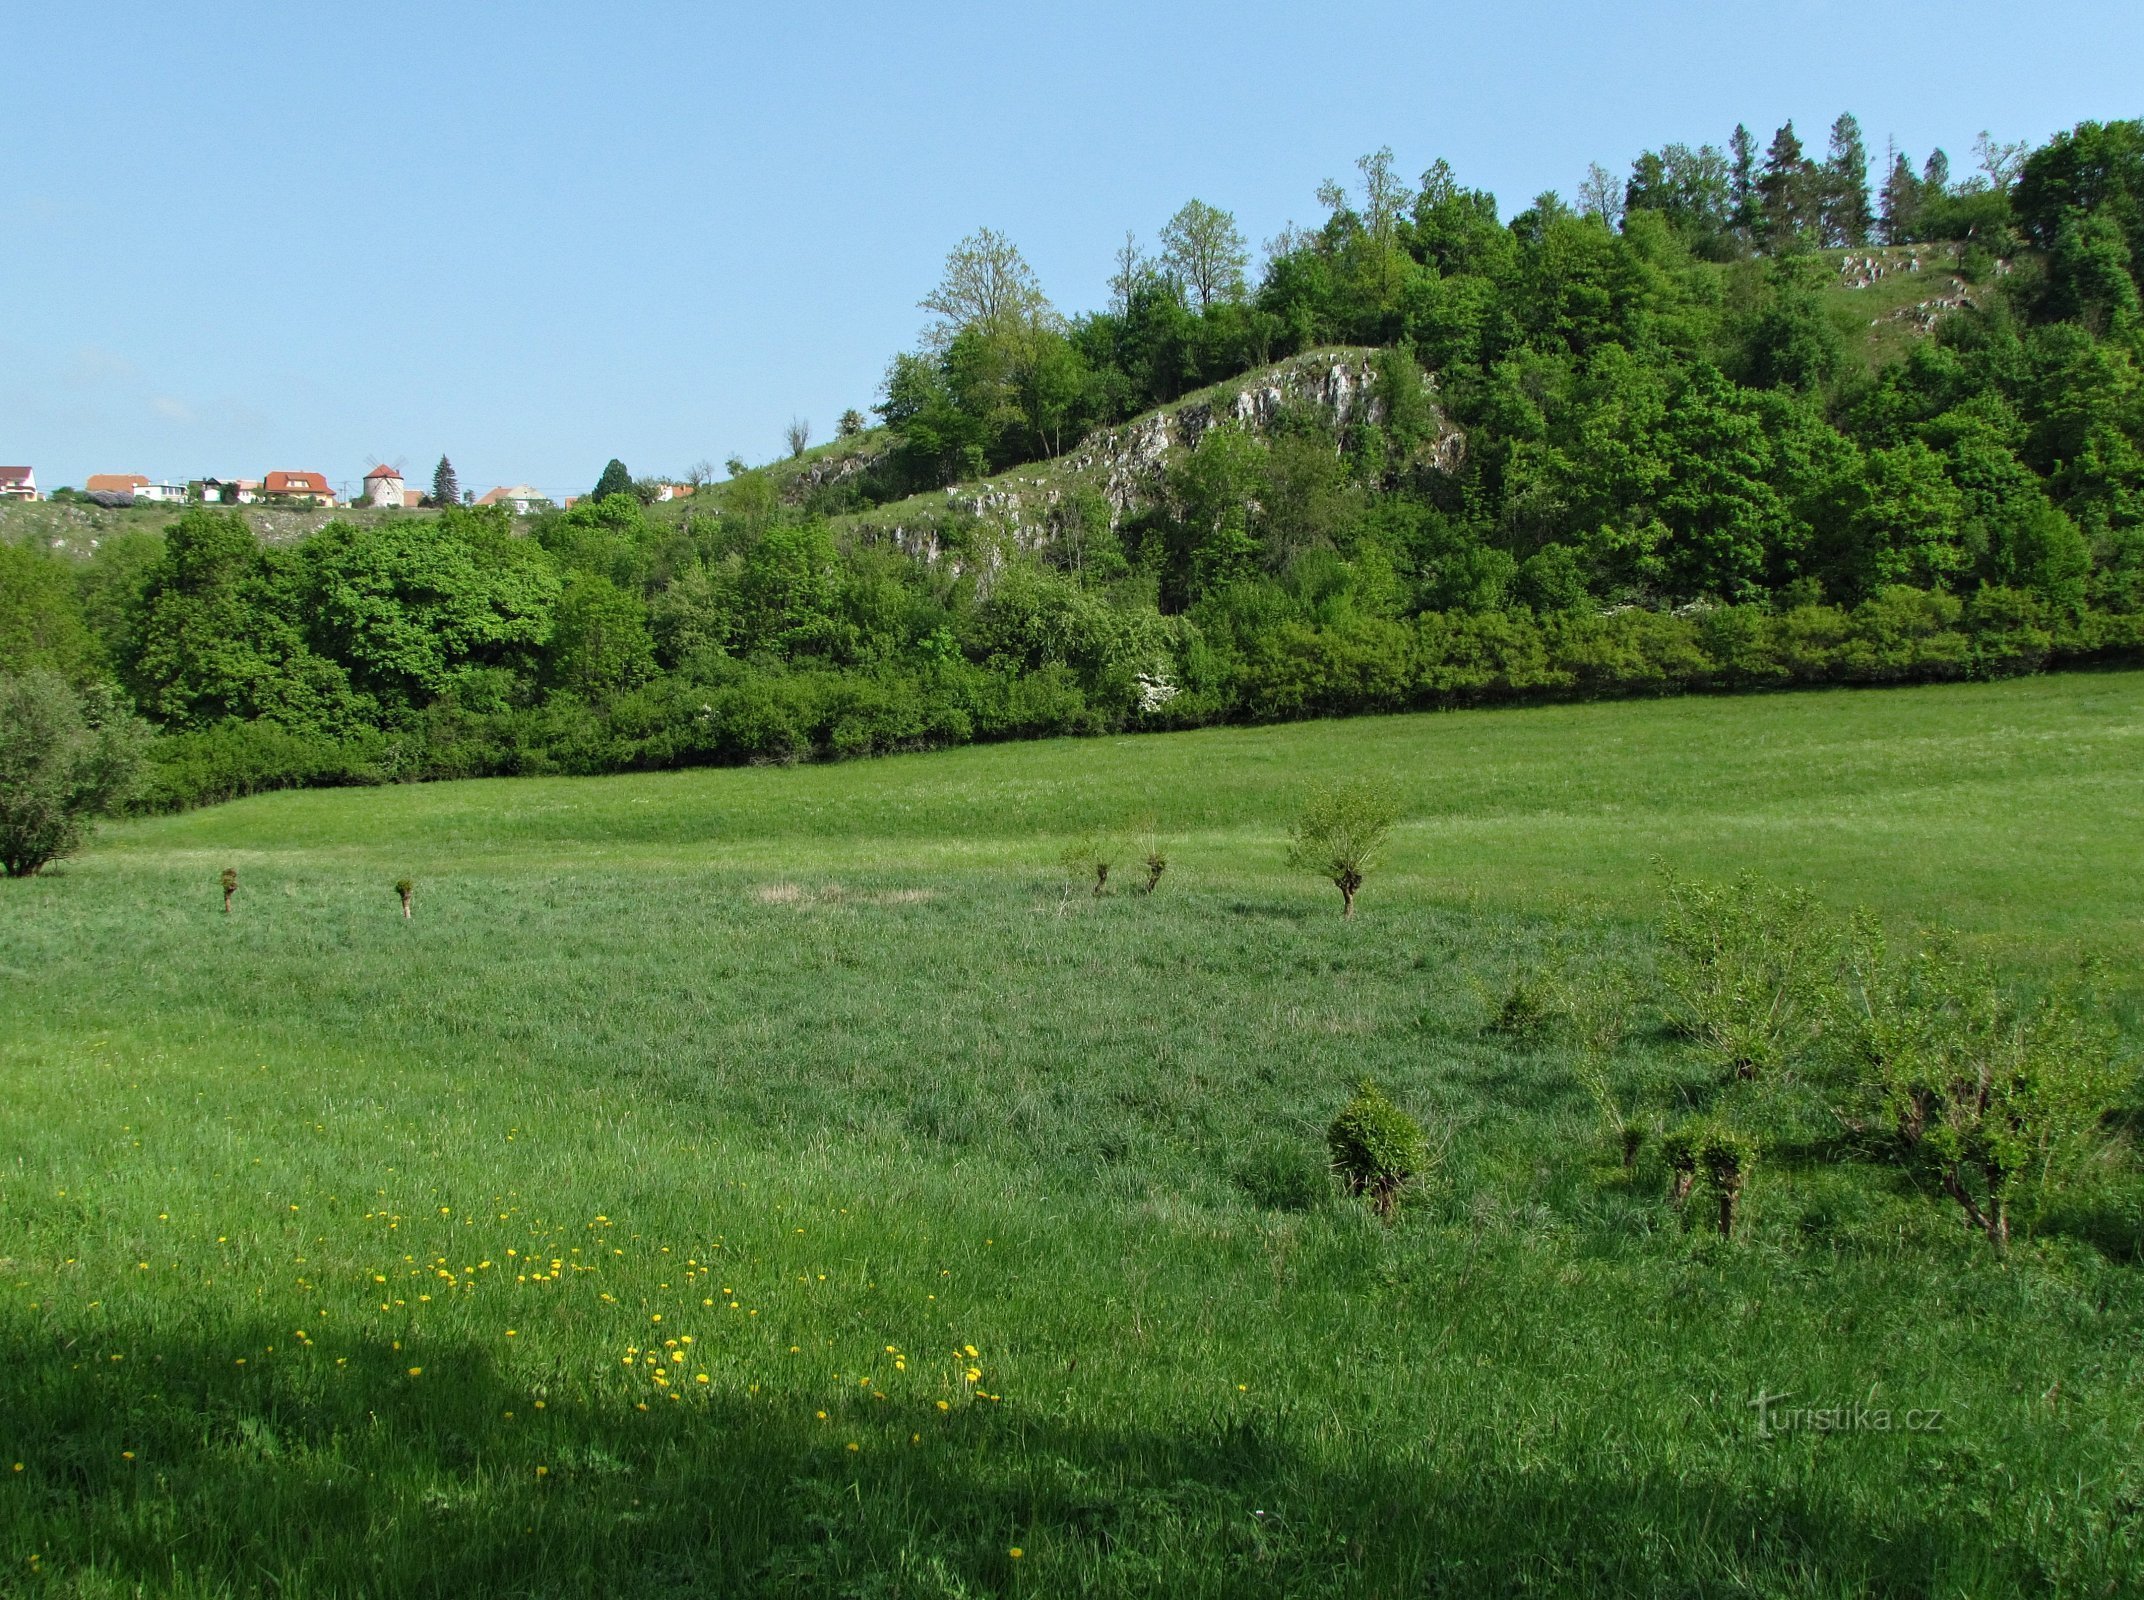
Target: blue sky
236,237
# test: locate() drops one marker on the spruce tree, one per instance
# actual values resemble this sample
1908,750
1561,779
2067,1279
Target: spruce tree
445,490
1901,202
1845,183
1742,180
615,480
1786,204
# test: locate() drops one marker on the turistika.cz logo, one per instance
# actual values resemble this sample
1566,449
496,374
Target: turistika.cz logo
1775,1417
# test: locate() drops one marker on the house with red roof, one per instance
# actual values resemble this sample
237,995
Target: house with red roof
297,489
17,483
114,483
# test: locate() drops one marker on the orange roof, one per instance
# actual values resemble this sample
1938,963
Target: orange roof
383,470
114,482
294,483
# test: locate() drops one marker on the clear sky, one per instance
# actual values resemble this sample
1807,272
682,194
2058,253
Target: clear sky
535,235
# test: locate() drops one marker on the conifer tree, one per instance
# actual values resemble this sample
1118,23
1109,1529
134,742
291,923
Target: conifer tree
1846,218
446,491
615,480
1742,181
1786,202
1901,202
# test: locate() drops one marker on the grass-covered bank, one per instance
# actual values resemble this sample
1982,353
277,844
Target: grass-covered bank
822,1058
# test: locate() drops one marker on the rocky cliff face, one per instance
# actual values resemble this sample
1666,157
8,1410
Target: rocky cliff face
1128,465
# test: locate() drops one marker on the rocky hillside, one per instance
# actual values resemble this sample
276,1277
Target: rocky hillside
1126,466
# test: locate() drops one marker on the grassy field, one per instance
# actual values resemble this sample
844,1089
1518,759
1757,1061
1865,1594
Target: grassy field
773,1181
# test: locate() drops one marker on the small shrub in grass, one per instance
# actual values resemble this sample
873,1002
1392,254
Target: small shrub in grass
229,881
1747,966
405,888
1377,1149
1281,1175
1726,1157
1972,1089
1087,860
1340,833
1527,1013
1679,1148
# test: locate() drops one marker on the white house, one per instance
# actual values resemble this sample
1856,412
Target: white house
521,497
17,483
160,494
383,486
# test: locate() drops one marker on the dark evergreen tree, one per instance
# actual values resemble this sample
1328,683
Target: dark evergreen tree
446,491
615,480
1742,179
1845,188
1901,202
1786,194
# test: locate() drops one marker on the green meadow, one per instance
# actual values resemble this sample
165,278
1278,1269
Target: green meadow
785,1181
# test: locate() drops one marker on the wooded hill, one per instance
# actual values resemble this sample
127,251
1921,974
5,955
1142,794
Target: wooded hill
1734,421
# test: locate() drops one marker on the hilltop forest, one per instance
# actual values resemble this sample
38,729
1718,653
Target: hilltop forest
1630,446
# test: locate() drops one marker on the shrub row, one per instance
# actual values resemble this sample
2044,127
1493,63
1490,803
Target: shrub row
752,713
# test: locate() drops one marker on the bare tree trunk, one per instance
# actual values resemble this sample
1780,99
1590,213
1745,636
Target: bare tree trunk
227,901
405,907
1727,1213
1101,878
1349,883
1955,1187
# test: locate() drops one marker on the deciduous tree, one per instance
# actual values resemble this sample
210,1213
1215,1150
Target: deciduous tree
66,757
1204,249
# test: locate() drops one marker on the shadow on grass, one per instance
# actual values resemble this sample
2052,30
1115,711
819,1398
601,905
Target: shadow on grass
333,1470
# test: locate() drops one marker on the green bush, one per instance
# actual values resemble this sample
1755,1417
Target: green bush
1528,1011
66,757
1726,1158
1975,1091
1340,833
1680,1148
1747,966
1377,1149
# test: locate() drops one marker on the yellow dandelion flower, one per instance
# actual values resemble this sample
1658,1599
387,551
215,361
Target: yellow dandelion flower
416,1372
1016,1552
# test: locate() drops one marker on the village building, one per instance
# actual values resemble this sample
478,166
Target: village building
520,497
114,483
297,488
225,491
384,487
17,483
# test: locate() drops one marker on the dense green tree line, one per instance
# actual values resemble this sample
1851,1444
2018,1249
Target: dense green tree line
1674,476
